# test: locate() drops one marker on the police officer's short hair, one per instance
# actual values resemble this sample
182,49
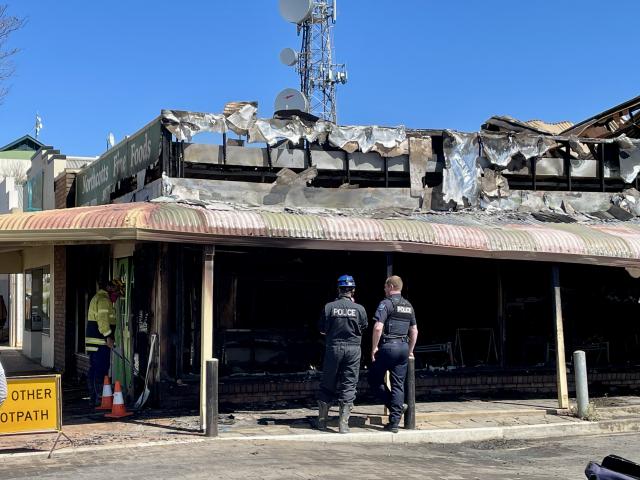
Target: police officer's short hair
395,282
346,289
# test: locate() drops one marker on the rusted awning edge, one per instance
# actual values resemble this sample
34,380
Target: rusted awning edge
32,238
384,246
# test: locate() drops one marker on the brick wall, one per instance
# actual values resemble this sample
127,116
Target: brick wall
243,392
237,391
530,384
63,342
61,186
60,342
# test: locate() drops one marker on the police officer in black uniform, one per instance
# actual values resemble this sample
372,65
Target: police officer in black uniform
394,336
343,322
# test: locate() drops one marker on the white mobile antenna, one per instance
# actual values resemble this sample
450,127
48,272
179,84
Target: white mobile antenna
314,63
38,126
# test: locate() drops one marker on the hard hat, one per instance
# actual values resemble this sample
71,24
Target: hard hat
117,286
346,281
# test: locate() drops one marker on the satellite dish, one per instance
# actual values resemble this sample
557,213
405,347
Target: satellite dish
291,99
289,56
296,11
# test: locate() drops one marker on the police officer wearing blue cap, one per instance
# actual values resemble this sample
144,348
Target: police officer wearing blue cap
394,336
342,322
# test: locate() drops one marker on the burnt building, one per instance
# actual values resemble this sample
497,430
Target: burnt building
518,244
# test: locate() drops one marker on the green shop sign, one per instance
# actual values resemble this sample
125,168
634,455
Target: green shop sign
95,183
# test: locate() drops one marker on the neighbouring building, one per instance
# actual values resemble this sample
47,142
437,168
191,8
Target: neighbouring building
15,160
32,306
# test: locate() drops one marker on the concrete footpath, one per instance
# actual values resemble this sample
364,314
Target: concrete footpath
437,422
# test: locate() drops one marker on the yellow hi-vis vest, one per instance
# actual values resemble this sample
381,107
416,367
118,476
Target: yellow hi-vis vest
101,320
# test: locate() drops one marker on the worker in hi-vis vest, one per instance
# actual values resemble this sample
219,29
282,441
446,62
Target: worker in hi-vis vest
100,335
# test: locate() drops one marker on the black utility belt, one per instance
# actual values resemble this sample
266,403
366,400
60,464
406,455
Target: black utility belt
394,339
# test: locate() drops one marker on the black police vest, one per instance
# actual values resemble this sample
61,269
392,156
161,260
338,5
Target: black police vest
343,318
398,322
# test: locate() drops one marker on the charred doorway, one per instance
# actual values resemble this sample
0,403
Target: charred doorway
601,311
456,301
528,333
268,303
163,318
86,267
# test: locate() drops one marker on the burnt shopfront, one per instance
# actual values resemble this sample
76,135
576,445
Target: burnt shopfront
231,251
489,297
486,326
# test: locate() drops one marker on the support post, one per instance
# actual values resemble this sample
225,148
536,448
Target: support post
206,327
178,339
410,395
601,169
567,164
582,386
347,169
534,180
211,428
561,367
167,160
387,378
386,171
502,320
224,148
269,159
307,155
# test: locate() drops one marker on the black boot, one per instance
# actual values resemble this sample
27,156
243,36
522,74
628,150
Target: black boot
345,411
391,427
323,414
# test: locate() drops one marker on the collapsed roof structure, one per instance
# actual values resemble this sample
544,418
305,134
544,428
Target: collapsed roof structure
468,170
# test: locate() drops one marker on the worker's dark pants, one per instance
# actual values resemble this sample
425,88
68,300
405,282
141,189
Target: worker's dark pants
391,357
340,373
99,363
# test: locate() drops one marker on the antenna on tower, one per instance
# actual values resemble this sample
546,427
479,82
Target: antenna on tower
314,63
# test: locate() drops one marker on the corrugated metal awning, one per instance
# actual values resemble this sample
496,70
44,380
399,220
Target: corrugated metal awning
606,243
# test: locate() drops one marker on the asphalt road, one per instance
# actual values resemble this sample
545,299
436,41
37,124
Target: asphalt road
560,459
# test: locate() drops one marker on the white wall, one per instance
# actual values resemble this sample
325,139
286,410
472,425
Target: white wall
49,166
14,293
52,169
16,316
8,195
45,164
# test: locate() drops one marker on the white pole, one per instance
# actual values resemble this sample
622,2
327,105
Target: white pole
582,385
206,327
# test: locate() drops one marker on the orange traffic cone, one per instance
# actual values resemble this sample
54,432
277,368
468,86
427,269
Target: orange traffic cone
107,395
118,410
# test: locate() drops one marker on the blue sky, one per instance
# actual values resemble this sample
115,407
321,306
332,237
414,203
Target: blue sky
90,68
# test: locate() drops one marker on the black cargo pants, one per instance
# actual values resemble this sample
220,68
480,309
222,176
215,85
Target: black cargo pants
340,373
